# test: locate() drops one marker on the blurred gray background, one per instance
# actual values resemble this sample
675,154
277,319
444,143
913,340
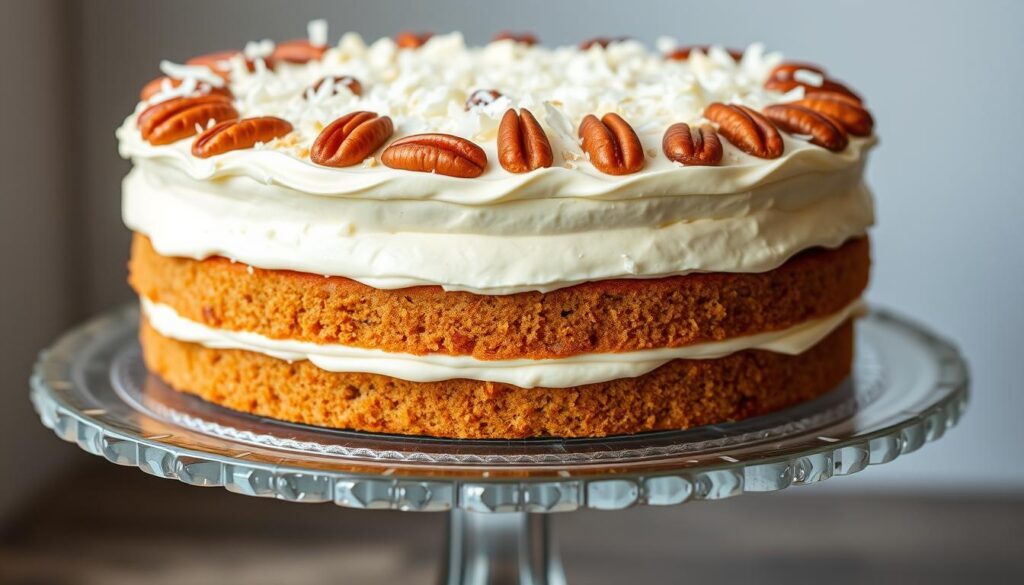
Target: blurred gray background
944,80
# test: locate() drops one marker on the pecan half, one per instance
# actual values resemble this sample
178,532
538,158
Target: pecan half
238,134
683,53
443,154
218,62
298,51
827,85
612,144
522,144
156,86
824,131
522,38
481,97
177,118
348,81
410,39
748,130
853,117
689,146
787,69
602,42
350,139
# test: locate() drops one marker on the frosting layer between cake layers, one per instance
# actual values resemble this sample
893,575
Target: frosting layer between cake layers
546,373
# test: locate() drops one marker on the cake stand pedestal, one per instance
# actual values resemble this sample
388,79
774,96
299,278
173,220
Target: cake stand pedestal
91,388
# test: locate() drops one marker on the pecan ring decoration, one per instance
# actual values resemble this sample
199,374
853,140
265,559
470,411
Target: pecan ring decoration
692,146
172,120
350,139
443,154
795,119
522,144
239,134
612,144
750,131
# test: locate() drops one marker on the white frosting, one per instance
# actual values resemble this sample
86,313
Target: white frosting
548,373
540,244
499,233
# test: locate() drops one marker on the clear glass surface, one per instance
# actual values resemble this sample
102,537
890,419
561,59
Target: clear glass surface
91,388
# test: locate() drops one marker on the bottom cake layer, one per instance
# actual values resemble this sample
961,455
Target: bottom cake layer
681,394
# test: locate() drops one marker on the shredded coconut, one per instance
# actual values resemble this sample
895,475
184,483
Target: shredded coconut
317,32
808,77
194,72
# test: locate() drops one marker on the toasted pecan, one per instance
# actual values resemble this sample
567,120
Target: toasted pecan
787,70
613,146
796,119
692,146
683,53
297,51
408,39
522,144
350,139
174,119
239,134
827,85
481,97
522,38
748,130
602,42
853,117
443,154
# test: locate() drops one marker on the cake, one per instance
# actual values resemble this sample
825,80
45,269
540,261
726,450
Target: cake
420,237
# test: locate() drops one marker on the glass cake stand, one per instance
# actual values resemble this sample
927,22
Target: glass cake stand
91,388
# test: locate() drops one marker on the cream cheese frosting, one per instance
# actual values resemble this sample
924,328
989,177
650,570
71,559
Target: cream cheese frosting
541,244
499,233
546,373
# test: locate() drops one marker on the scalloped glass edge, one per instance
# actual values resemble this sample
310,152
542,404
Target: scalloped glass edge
710,482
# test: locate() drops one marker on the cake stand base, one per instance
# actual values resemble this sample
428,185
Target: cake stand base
513,548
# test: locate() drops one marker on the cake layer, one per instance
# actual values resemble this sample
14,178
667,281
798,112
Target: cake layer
680,394
525,373
598,317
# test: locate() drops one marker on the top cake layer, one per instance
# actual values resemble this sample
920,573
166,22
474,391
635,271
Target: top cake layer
271,206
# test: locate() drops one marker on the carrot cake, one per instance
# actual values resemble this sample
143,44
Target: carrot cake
420,237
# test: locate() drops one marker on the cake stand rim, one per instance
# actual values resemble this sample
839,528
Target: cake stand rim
374,487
